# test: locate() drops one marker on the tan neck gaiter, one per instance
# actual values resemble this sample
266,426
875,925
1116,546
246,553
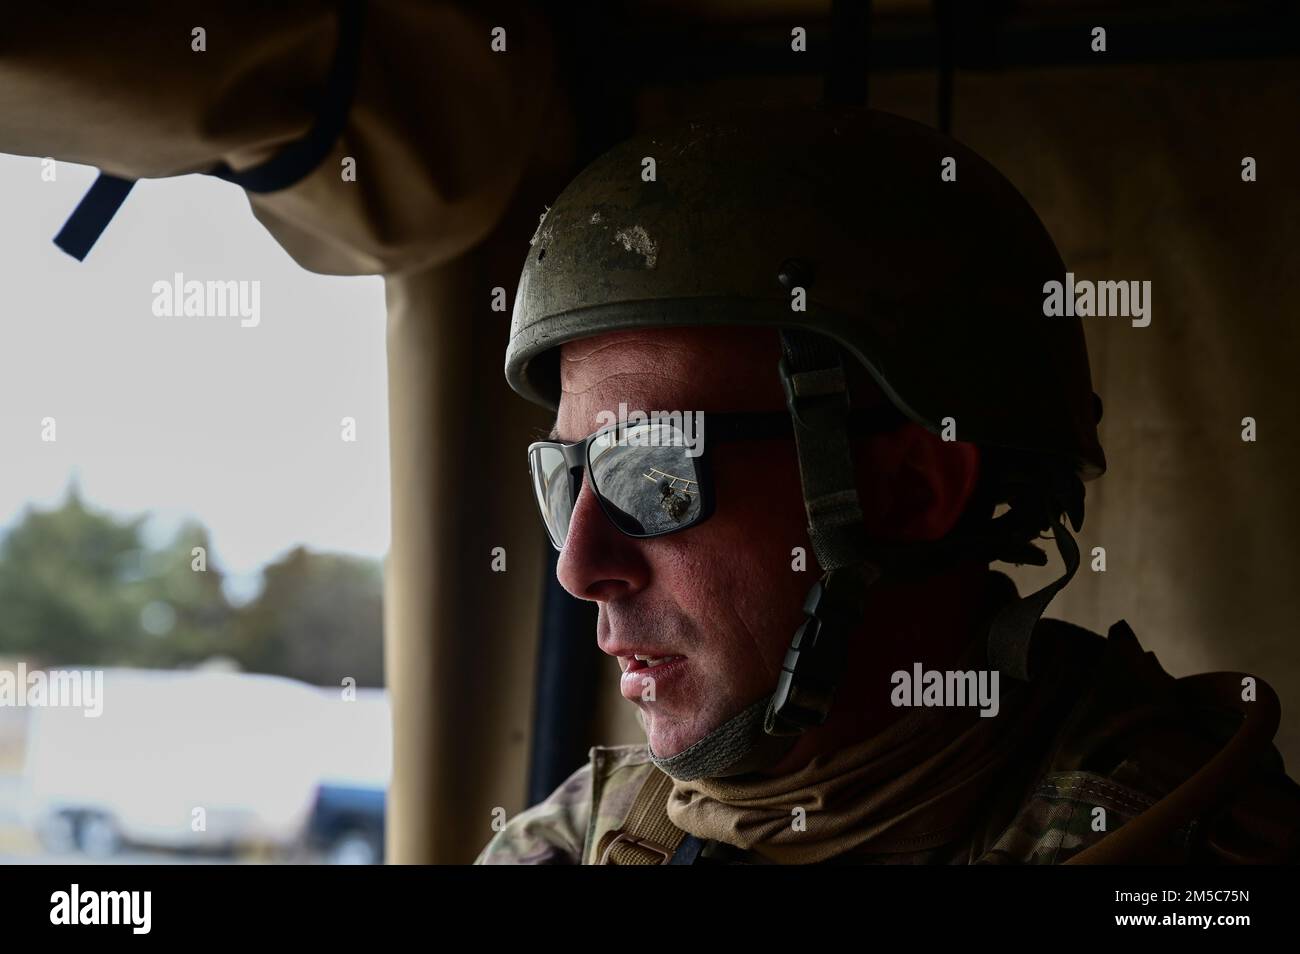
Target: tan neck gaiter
915,785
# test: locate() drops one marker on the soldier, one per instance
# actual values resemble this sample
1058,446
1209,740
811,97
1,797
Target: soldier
882,393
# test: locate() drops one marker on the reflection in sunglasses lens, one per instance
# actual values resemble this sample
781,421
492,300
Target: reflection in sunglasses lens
645,478
551,484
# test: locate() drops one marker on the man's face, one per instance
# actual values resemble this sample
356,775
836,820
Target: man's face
721,595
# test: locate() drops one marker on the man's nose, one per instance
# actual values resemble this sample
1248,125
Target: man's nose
599,562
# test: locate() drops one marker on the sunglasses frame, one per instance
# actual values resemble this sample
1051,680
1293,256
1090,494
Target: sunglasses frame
719,428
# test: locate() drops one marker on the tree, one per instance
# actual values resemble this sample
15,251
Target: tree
319,618
188,617
79,587
70,585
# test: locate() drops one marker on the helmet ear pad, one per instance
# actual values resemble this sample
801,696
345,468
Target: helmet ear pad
914,486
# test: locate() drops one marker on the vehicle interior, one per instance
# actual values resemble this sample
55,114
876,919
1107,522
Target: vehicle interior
423,142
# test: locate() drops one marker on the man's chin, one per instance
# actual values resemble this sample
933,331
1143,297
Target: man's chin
664,740
669,736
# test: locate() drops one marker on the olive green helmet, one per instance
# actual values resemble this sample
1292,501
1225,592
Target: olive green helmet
935,283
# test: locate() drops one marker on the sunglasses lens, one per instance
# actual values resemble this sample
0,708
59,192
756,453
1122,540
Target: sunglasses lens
554,496
645,478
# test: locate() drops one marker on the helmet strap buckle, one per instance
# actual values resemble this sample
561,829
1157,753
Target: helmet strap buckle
818,399
818,652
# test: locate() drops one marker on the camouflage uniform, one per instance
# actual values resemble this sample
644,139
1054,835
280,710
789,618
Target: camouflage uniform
1116,736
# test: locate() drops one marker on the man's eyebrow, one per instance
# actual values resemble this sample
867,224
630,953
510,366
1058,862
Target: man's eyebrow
555,433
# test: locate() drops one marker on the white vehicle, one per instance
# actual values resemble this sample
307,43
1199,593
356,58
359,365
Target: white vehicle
182,759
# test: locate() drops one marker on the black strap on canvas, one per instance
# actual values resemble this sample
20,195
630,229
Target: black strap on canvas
93,213
296,160
290,165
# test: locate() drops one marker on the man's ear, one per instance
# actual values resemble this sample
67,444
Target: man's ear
920,483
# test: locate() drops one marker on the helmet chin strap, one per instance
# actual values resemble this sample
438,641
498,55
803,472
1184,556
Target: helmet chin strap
817,396
738,746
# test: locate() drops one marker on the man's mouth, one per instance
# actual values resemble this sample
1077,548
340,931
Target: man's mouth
639,662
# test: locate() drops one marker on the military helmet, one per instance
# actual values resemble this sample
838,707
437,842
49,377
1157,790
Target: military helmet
916,256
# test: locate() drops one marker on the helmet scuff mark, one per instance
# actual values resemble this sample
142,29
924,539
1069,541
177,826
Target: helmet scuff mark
538,232
636,239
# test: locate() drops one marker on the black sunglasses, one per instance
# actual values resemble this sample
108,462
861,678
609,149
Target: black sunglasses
654,477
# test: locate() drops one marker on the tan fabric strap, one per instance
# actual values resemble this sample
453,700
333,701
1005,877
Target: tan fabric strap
647,836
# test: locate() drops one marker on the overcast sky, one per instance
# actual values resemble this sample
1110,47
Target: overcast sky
237,426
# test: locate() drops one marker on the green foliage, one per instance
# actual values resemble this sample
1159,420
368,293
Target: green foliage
70,586
80,587
319,617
